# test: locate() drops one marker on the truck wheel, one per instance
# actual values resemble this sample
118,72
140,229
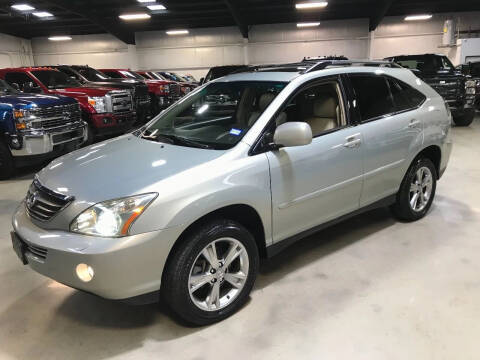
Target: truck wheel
90,136
465,119
7,166
417,191
211,273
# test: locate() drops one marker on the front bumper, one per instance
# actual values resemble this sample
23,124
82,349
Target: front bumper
40,142
124,267
111,123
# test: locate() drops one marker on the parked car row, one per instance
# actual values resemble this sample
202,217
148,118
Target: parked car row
47,111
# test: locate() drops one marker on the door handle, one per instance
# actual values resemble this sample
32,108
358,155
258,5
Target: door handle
352,142
413,123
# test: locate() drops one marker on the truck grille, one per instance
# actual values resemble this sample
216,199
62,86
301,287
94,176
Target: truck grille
448,89
56,116
141,92
121,102
43,204
175,90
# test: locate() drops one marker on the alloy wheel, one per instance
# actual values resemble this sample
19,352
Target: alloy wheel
421,189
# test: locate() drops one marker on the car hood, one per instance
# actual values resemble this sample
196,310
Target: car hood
90,91
32,100
120,167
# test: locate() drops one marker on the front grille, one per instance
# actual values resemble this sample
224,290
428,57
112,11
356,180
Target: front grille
175,90
448,89
36,251
121,102
141,92
43,204
56,116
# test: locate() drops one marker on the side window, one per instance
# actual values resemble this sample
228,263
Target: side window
373,97
70,73
404,96
321,106
18,78
113,74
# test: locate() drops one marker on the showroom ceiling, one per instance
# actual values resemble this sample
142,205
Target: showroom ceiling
77,17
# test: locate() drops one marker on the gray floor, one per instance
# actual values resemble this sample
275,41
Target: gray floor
369,288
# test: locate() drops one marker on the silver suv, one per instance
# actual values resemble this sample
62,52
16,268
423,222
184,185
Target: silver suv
236,171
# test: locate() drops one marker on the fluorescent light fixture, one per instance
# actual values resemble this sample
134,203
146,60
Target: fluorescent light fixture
177,32
308,24
140,16
146,1
418,17
59,38
311,5
156,7
22,7
42,14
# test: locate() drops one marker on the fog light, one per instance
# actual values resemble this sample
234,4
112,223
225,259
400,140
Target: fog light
107,120
85,272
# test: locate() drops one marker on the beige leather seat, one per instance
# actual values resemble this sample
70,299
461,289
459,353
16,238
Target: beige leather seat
325,114
263,103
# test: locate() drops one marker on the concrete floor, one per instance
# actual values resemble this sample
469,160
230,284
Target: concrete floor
369,288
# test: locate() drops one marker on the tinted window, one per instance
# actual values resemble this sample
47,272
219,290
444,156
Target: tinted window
404,96
113,74
425,63
53,79
18,78
6,89
373,98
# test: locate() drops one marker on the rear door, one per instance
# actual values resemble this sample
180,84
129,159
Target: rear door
391,130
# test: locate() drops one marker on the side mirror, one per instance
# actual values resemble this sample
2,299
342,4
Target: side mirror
201,81
15,86
293,134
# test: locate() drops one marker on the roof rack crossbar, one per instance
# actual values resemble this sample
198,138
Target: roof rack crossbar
321,65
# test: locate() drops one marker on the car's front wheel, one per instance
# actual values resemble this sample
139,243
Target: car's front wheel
417,191
211,273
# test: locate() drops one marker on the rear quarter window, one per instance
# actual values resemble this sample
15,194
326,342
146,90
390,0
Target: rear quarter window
405,97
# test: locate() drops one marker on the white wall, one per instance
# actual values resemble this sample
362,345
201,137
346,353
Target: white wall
15,51
204,48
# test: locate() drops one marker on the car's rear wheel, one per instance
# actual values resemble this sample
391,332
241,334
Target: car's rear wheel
7,165
417,191
211,273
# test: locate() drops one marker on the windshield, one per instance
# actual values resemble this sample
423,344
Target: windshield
425,63
5,88
91,74
215,117
53,79
172,76
132,75
156,76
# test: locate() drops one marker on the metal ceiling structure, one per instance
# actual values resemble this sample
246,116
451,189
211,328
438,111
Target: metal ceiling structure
80,17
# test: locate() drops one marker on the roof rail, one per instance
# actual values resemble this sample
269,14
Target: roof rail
320,65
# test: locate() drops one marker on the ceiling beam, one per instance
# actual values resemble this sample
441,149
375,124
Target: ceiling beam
381,10
237,16
109,26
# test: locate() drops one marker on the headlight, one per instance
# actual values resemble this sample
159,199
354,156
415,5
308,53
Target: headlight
112,218
471,91
99,104
23,119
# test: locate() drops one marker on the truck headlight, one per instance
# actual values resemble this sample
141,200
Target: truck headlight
112,218
99,104
23,119
471,87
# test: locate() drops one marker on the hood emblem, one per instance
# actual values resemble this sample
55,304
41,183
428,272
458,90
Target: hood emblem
66,115
32,199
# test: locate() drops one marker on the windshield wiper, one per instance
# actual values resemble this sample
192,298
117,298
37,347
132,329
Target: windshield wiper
173,139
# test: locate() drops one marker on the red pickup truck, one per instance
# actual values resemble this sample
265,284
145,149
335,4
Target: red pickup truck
162,92
106,110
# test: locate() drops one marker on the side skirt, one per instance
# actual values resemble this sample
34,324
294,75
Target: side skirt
276,248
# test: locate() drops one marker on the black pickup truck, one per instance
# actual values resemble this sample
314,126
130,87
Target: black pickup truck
438,72
92,77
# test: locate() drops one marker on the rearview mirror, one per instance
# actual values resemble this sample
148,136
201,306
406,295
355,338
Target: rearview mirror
31,87
293,134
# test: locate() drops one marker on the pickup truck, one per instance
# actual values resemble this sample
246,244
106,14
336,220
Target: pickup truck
91,77
106,110
185,84
162,93
438,72
35,127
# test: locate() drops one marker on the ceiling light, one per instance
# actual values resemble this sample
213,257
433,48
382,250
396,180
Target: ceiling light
177,32
23,7
311,5
141,16
418,17
59,38
146,1
308,24
42,14
156,7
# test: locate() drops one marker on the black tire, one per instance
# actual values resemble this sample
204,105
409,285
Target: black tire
7,165
402,208
90,136
465,119
175,283
154,105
